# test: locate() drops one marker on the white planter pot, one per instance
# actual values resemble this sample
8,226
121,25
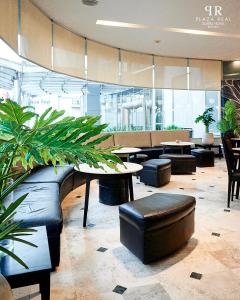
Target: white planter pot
208,138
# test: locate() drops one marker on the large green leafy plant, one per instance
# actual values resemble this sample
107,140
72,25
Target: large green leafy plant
9,229
229,120
53,138
206,118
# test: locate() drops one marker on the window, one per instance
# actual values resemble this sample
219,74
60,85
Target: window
122,107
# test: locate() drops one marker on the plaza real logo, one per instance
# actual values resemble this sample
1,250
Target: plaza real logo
213,17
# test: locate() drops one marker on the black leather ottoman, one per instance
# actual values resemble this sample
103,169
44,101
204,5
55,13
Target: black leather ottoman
156,172
205,158
181,163
138,158
113,191
157,225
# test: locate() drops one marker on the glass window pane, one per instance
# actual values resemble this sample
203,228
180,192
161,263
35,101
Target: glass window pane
205,74
68,52
103,62
136,69
9,22
170,72
36,35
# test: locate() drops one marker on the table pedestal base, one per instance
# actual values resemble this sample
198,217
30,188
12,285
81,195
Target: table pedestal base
113,191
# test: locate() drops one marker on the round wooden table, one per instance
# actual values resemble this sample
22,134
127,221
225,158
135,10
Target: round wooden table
125,171
175,144
126,151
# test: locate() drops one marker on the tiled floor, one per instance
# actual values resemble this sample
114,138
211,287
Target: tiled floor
91,274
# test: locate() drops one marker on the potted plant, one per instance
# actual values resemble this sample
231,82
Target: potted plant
173,127
53,139
207,119
229,120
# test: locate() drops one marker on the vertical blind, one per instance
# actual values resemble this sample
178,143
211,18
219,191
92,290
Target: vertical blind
9,22
205,74
36,35
102,62
136,69
170,73
68,52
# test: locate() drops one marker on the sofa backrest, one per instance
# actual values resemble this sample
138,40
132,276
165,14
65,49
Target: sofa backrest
133,139
143,139
168,135
107,143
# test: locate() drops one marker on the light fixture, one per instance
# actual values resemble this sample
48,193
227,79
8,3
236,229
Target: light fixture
166,29
119,24
236,62
90,2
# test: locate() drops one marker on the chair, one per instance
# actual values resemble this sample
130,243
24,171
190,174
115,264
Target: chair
233,173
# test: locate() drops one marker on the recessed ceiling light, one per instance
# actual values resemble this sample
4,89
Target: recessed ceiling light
90,2
157,41
167,29
119,24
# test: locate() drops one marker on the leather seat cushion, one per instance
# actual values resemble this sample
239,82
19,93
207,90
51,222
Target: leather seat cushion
156,164
201,151
157,211
178,156
41,206
47,174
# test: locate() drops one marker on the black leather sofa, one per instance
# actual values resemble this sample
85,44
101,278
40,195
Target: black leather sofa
43,204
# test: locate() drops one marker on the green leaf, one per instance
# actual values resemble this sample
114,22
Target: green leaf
14,238
14,256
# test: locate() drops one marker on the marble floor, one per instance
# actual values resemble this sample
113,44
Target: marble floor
88,274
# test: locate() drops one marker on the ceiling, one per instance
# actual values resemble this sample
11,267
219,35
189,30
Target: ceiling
157,16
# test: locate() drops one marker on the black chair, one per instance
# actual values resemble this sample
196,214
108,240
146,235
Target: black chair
233,173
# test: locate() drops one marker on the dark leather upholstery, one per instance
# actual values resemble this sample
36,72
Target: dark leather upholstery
205,158
156,172
138,158
181,163
43,204
42,207
47,174
152,152
157,225
67,178
113,191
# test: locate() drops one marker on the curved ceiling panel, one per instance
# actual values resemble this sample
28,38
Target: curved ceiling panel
157,20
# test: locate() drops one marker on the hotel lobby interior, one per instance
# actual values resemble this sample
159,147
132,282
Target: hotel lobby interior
119,150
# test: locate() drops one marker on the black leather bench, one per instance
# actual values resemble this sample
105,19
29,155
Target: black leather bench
181,163
43,204
156,172
157,225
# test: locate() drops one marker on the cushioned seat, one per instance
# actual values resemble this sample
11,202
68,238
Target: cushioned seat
47,174
42,207
181,163
157,225
204,157
156,172
138,158
66,177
